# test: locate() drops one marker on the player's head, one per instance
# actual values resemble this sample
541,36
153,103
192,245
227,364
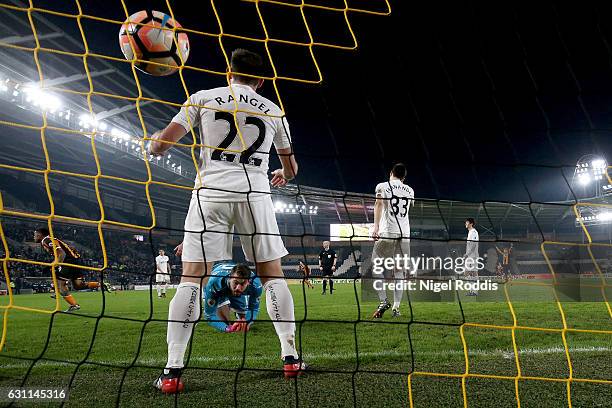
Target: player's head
398,171
40,233
470,223
246,62
162,252
326,245
238,280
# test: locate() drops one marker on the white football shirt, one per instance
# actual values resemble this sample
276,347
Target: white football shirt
162,263
471,246
222,172
397,199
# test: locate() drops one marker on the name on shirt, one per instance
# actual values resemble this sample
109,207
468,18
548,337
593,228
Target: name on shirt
402,187
254,102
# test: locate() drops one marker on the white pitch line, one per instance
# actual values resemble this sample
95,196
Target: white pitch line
311,357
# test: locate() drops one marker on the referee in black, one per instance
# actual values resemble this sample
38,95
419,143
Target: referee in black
327,265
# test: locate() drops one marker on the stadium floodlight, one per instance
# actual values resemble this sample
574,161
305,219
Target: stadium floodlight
87,120
102,126
584,179
3,87
120,134
605,216
44,100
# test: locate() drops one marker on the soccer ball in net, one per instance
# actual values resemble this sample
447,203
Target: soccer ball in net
148,36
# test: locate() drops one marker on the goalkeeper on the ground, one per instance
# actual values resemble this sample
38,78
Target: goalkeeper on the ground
232,288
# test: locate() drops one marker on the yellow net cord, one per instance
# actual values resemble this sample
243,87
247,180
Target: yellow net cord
266,40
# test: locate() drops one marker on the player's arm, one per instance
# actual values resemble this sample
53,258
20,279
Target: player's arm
252,308
61,254
164,139
186,118
335,259
284,149
253,311
320,256
210,307
378,209
288,170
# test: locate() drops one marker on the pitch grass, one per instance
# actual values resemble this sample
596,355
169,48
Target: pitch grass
112,360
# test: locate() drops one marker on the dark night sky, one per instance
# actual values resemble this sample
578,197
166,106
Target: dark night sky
474,97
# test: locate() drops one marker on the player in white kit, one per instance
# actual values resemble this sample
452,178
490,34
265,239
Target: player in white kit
162,274
471,253
232,193
392,233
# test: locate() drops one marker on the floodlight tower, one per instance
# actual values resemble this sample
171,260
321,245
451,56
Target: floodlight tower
591,175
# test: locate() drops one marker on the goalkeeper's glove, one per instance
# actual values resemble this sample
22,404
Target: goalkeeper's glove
240,325
229,328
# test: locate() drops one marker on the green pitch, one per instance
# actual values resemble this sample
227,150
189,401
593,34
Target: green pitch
114,359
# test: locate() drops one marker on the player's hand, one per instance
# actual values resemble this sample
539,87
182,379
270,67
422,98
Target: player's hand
229,328
152,144
333,267
278,178
375,235
240,326
178,251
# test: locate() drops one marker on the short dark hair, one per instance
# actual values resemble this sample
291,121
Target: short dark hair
42,230
241,271
246,62
471,221
399,170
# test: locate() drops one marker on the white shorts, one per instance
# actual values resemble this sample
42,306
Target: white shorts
209,228
389,248
162,278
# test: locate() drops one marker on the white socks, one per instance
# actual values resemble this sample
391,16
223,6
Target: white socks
279,303
158,287
163,288
398,293
378,285
185,308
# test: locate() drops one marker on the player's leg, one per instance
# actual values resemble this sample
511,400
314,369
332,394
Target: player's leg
324,285
402,247
164,287
264,246
331,285
379,253
65,293
279,304
158,285
185,306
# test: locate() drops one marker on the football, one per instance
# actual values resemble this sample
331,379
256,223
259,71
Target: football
150,38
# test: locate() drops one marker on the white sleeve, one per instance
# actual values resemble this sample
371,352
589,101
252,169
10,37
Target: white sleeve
282,137
380,190
190,112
